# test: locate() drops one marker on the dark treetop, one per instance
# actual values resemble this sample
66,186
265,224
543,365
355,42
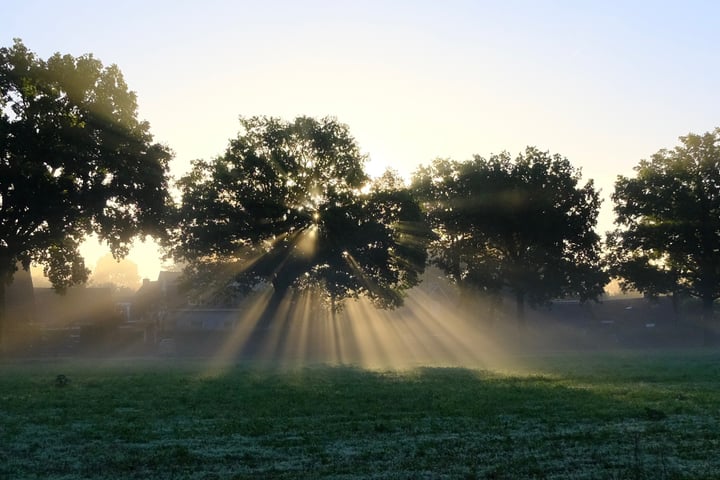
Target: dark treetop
522,226
669,214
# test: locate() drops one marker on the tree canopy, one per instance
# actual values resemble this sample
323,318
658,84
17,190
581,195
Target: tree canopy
288,204
522,225
74,159
669,219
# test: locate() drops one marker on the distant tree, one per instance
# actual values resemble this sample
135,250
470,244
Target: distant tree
74,159
117,274
285,205
522,226
390,180
669,219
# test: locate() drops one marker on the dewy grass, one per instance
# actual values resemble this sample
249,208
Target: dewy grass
634,415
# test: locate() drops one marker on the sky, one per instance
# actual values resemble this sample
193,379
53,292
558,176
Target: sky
604,84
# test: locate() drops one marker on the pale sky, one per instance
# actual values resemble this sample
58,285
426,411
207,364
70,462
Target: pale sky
603,83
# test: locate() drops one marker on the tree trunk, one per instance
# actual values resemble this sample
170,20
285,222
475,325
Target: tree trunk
337,347
492,310
676,305
708,303
520,308
3,319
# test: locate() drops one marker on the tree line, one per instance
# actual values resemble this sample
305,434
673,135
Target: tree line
289,204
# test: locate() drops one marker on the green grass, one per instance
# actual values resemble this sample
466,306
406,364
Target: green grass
619,416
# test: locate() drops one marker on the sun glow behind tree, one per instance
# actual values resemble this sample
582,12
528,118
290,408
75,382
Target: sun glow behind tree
289,208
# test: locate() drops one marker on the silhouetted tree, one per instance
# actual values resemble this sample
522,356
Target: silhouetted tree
523,226
285,205
74,159
669,214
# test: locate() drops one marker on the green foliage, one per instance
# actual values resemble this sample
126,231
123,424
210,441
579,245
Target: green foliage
74,159
285,205
522,225
633,415
669,215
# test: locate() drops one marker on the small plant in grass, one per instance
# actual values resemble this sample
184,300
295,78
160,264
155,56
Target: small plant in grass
61,381
655,415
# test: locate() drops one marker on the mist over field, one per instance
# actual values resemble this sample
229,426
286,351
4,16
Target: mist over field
438,325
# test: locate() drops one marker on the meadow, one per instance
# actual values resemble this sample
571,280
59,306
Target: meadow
622,415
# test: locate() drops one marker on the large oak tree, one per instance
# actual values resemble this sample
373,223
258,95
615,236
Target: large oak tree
669,219
288,204
523,226
74,160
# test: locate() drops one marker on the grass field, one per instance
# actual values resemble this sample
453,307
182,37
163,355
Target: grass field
606,416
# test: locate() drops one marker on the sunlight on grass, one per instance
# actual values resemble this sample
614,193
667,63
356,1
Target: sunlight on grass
422,332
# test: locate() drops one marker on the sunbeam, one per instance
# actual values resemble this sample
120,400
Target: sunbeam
427,330
246,322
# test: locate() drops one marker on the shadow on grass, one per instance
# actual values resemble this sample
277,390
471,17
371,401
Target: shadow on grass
343,422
